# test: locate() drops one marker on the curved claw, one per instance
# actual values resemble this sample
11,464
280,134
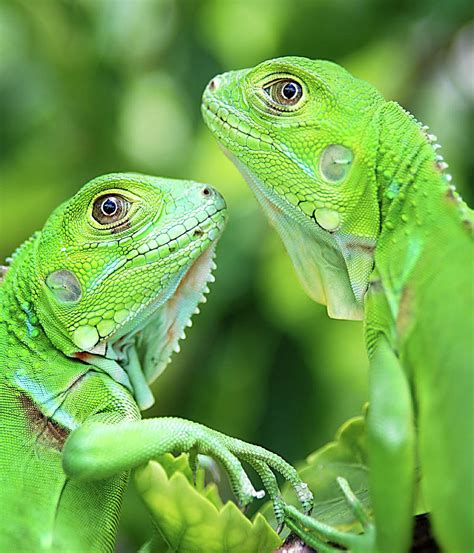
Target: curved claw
245,492
248,488
256,454
209,465
194,463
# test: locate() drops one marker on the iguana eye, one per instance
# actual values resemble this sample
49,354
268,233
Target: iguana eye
285,92
110,208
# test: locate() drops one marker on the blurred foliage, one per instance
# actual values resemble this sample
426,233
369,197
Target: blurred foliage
93,86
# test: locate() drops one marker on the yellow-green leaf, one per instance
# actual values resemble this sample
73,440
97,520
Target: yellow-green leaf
192,520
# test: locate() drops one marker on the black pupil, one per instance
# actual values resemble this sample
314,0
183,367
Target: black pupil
109,206
290,90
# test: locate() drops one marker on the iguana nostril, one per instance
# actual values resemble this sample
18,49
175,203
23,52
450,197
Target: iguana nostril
213,85
206,191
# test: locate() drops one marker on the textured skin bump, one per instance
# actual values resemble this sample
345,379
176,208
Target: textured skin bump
329,219
85,337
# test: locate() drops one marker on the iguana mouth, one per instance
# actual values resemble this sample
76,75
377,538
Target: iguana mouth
179,251
231,126
235,131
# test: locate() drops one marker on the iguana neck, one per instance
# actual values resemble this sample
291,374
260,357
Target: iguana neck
412,183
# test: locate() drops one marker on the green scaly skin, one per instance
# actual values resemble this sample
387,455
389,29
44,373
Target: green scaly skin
91,309
359,194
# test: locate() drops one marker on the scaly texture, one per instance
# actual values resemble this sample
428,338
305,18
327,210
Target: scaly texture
91,309
359,194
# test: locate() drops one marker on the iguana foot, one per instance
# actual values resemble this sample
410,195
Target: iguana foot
327,539
231,451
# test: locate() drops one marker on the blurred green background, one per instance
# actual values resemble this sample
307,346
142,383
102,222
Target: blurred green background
90,86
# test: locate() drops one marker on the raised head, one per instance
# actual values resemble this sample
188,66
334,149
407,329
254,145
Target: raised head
304,133
123,264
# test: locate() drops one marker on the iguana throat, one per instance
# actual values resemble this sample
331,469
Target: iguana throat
322,261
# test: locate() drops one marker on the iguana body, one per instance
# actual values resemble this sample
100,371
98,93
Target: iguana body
91,309
358,192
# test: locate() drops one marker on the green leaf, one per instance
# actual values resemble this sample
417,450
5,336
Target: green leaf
346,456
193,519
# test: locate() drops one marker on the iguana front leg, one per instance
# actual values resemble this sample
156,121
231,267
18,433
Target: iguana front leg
96,450
391,439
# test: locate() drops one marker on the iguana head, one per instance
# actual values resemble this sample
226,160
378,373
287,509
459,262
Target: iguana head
304,135
124,263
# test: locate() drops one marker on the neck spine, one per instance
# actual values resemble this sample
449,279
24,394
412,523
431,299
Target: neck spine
409,166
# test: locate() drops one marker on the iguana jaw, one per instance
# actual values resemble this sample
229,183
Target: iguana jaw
140,350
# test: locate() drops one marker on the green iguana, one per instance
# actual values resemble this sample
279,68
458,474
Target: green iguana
91,309
358,191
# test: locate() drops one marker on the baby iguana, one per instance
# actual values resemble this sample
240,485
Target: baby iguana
358,192
91,309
